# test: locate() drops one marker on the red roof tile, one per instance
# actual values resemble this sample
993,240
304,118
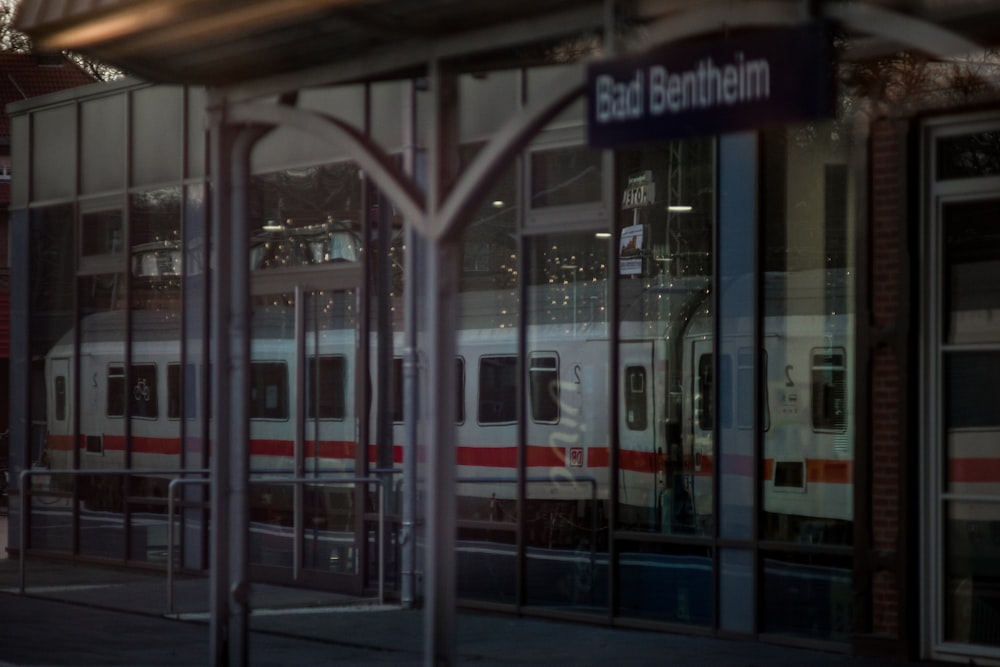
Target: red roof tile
24,75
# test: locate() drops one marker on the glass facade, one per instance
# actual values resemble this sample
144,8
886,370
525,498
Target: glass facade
655,363
805,368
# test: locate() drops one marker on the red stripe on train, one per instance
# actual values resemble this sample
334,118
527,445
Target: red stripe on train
974,470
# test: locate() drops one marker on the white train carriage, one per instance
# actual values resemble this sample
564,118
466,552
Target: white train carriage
666,405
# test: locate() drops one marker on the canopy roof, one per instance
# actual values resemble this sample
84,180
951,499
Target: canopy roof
226,42
230,41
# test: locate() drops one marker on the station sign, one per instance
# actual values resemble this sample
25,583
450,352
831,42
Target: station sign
733,83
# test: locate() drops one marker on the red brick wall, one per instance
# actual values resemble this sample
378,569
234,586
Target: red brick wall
886,396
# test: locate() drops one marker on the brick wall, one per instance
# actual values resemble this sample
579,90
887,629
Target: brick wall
886,390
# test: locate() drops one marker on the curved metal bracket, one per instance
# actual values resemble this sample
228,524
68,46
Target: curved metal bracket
373,160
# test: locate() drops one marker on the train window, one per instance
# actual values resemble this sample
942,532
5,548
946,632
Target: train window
705,395
173,391
60,388
789,474
175,395
268,390
635,398
829,390
744,389
116,391
497,389
543,380
397,390
143,396
325,378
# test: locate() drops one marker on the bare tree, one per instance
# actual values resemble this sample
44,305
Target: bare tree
17,42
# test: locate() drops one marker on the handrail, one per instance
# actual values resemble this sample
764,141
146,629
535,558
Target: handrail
26,492
25,496
281,480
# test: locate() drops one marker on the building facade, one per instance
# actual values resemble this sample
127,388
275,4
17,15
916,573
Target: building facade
734,383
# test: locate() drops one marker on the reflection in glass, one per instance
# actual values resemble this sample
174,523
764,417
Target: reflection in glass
53,388
565,176
666,582
306,216
971,381
968,155
487,503
807,360
972,575
300,426
155,303
101,414
666,264
101,233
566,448
971,271
808,597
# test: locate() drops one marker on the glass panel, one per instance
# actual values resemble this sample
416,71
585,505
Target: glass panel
972,571
326,385
565,176
194,371
155,300
306,216
102,233
317,408
497,389
566,451
157,134
968,155
543,387
101,413
735,437
487,438
397,390
53,151
972,422
808,339
808,597
666,248
53,388
329,520
665,582
971,271
737,604
103,144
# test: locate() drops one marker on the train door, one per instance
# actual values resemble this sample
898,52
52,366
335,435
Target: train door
303,425
60,417
697,442
961,386
643,456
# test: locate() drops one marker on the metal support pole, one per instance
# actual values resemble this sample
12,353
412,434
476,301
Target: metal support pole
230,340
221,144
408,533
440,272
239,408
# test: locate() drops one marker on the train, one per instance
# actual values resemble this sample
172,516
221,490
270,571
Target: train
678,395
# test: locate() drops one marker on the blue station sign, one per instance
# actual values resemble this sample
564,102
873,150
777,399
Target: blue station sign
738,82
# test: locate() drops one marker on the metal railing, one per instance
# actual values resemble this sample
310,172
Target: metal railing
295,481
179,474
25,495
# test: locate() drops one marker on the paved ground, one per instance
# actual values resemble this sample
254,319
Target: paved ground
89,615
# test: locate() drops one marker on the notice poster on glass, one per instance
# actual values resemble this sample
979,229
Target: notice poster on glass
630,251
